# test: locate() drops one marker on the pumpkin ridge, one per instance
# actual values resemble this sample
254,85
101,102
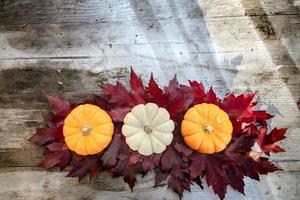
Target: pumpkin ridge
73,147
150,121
146,138
144,113
162,144
153,135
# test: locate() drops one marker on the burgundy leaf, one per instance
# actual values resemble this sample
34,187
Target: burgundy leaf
170,159
183,149
58,155
130,176
110,156
236,177
58,106
136,83
89,164
266,141
198,91
211,97
119,113
236,106
215,175
117,94
160,177
44,135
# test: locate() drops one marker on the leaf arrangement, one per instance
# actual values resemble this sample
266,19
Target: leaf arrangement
179,165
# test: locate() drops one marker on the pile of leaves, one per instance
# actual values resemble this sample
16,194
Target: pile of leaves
178,165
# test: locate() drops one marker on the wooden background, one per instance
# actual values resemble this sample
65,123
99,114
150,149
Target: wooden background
67,47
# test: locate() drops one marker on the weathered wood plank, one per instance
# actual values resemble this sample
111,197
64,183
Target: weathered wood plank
46,185
185,42
70,11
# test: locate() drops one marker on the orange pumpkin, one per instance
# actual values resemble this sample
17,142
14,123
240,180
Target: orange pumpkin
88,129
206,128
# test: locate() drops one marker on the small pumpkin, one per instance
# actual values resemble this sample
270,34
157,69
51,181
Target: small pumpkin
88,129
206,128
148,129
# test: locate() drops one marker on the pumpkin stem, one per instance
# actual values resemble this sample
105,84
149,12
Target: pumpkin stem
86,129
147,129
207,128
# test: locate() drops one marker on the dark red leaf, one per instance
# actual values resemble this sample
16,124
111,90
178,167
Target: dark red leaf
117,94
44,135
267,141
215,175
58,155
169,159
179,180
101,102
130,176
266,166
211,97
236,106
176,106
198,91
89,164
136,83
153,88
160,177
119,113
240,147
183,149
236,177
172,88
110,156
58,106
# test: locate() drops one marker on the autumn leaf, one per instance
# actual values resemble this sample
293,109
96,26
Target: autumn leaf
88,164
169,159
236,177
236,106
58,106
267,141
215,176
58,154
110,156
211,97
136,83
119,113
117,94
198,90
44,135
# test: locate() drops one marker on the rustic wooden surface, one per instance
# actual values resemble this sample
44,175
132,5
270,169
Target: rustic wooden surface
68,47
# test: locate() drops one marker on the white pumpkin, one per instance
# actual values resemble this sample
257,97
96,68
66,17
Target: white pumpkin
148,129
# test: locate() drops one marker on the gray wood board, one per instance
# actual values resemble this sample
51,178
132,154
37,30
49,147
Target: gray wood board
32,184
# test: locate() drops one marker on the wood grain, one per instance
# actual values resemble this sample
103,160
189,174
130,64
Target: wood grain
54,185
71,11
66,48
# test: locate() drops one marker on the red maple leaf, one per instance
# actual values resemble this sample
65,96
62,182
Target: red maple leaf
58,154
110,156
211,97
117,94
87,165
170,159
235,106
136,84
58,106
235,177
198,90
45,135
240,147
216,177
267,141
